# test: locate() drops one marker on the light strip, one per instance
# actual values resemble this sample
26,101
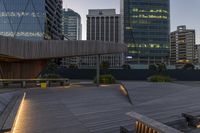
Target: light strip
18,114
123,90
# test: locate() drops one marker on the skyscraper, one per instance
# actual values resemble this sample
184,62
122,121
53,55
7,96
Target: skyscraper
72,30
198,55
146,29
72,27
31,19
104,25
183,46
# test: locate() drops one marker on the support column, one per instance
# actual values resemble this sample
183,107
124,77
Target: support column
23,84
1,72
98,69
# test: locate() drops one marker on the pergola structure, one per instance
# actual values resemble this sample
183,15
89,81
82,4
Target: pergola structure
26,59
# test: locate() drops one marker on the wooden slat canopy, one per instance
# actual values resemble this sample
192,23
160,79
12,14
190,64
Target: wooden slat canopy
22,49
26,59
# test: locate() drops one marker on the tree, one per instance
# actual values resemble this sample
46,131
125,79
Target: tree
126,67
52,68
73,66
51,71
152,67
188,66
161,68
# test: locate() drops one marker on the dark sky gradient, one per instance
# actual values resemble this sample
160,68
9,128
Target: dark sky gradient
183,12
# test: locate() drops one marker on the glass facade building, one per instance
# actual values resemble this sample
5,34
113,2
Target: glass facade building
72,30
31,19
72,27
146,25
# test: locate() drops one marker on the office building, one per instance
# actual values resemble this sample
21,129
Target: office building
183,49
72,30
103,25
72,27
31,19
146,29
198,55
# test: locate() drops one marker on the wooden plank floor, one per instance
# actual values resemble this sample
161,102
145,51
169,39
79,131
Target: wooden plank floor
80,109
165,102
74,110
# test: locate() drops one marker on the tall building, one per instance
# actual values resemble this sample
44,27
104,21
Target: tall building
183,49
198,55
72,27
72,30
103,25
31,19
146,29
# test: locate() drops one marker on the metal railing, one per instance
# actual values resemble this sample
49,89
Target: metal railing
23,82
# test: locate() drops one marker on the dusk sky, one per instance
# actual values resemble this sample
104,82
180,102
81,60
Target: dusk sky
183,12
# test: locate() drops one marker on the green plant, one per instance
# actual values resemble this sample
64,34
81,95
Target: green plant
153,67
158,68
161,68
105,65
73,66
188,66
126,67
51,68
106,79
160,78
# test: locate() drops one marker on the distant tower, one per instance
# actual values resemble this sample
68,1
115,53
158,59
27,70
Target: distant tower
104,25
72,27
72,30
198,55
183,48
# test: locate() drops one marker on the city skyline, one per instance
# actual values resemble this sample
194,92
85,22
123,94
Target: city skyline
178,8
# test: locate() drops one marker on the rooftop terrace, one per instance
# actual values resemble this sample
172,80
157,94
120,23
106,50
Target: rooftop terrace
88,109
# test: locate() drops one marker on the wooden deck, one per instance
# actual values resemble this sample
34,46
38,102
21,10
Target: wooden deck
79,109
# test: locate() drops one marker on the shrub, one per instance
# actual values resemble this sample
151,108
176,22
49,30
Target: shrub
188,66
159,78
106,79
105,65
